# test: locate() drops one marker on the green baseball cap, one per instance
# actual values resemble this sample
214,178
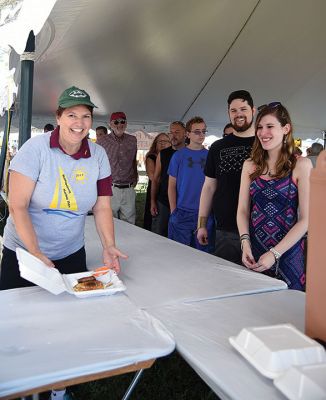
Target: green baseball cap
74,96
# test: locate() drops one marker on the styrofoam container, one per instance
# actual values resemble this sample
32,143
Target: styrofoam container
34,270
274,349
303,383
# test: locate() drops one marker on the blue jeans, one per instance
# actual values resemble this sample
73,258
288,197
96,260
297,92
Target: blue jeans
161,221
183,229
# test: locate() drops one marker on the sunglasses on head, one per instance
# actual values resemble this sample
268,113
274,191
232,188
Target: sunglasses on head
119,121
273,104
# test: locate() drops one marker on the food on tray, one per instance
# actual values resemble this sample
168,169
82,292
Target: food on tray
88,285
101,271
87,279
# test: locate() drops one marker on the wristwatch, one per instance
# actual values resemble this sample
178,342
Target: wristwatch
276,254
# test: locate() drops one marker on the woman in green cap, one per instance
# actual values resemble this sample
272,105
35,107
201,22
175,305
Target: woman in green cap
55,179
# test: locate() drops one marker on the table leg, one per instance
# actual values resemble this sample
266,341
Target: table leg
133,384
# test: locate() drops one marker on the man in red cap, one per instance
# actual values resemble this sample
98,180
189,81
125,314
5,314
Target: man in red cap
121,149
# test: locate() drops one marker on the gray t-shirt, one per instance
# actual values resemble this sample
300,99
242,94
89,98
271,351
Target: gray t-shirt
65,190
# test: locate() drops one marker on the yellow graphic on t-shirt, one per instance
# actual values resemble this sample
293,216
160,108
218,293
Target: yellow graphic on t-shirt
68,201
80,175
55,198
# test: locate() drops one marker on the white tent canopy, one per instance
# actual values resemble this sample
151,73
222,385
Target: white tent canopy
164,60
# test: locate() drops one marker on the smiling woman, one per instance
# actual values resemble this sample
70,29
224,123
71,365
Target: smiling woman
273,184
55,179
75,123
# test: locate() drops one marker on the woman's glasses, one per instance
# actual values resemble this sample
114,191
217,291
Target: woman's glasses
274,104
119,121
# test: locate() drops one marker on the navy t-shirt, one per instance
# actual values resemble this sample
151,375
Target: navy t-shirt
187,166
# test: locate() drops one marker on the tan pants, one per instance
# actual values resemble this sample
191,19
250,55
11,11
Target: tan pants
123,204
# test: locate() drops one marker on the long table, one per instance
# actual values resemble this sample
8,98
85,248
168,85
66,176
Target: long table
160,271
202,330
48,341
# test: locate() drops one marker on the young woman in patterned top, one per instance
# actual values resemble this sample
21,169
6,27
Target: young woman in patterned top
274,186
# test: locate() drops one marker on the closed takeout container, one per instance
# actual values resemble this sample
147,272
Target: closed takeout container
34,270
303,383
274,349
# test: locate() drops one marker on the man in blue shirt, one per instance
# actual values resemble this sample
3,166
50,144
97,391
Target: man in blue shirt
186,178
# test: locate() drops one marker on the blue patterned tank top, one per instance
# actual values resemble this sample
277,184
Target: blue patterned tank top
273,212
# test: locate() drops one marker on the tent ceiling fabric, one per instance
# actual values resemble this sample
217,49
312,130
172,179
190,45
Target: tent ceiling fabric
152,58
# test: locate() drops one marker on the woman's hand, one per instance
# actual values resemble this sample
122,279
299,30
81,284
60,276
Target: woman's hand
111,258
202,236
44,259
265,262
247,257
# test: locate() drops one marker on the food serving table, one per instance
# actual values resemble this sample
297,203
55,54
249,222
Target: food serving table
201,331
160,271
51,341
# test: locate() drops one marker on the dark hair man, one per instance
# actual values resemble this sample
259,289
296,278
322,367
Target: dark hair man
101,131
228,130
222,182
48,128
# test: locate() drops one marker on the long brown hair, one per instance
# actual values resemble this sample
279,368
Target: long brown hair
286,160
153,149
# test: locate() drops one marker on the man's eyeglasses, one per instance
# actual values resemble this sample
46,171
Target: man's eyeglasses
198,132
119,121
273,104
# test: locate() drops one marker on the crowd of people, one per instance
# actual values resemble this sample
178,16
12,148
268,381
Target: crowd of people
239,200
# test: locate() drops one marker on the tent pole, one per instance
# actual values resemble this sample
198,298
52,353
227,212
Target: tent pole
5,140
26,90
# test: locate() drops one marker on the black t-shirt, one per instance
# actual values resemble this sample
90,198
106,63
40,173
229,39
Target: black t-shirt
224,163
165,156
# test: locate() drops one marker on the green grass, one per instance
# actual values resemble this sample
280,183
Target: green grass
170,378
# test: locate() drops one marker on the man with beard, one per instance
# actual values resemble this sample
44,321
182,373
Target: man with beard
222,178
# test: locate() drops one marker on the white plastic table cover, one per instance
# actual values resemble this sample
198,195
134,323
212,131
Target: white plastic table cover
160,271
46,338
202,330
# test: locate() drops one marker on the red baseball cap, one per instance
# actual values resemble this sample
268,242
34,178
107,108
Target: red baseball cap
118,115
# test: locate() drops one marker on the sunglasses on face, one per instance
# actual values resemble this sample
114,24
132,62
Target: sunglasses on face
273,104
199,132
119,121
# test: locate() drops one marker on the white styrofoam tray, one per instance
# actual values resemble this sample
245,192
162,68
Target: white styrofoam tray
274,349
34,270
303,383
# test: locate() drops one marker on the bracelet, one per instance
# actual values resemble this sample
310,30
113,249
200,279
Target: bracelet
202,221
243,237
277,255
